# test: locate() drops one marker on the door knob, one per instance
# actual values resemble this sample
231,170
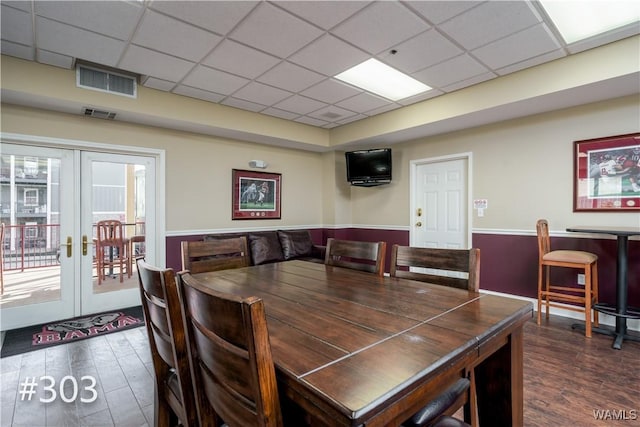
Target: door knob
418,224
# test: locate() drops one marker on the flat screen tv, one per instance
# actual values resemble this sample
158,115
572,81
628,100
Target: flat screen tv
368,168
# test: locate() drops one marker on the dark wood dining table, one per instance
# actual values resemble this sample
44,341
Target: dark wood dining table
621,309
354,349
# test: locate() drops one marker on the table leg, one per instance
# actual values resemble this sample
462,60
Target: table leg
499,385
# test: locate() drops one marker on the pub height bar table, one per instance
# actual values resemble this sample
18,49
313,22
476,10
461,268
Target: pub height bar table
620,310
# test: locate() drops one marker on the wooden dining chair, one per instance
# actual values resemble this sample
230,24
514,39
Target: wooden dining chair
212,255
173,388
364,256
440,264
438,412
112,249
230,357
567,297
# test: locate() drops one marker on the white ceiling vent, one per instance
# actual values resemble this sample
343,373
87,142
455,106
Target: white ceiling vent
99,114
105,81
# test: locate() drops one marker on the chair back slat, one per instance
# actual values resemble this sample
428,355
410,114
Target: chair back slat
544,241
230,355
364,256
213,255
440,262
167,341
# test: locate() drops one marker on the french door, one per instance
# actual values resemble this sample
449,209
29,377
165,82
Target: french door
51,201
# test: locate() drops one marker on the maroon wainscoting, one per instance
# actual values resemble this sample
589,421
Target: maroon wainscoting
509,263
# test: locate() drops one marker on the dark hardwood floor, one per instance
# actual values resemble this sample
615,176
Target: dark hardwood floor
569,380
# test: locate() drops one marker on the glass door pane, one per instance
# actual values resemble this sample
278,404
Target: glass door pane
116,189
39,248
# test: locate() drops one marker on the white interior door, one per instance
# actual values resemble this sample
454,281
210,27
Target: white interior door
118,187
40,245
439,203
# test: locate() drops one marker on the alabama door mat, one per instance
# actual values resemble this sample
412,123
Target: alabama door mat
31,338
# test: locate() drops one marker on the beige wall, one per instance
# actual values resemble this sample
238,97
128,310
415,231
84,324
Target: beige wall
198,168
523,167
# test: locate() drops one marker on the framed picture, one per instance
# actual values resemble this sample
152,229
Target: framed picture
256,195
607,174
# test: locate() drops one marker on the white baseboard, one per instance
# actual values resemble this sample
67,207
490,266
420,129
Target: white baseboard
605,319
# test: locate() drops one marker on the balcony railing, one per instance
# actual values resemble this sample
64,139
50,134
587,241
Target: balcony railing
38,245
30,246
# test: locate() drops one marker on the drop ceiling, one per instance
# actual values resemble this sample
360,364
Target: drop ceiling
278,58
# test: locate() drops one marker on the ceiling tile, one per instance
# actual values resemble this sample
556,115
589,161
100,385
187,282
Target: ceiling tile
330,91
325,14
239,59
422,51
18,4
469,82
311,121
529,43
556,54
261,93
55,59
498,18
329,55
155,64
113,19
280,113
380,26
242,104
383,109
198,93
159,84
290,77
283,54
331,113
16,26
454,70
420,97
437,12
67,40
300,104
214,81
363,102
18,50
176,38
275,31
217,16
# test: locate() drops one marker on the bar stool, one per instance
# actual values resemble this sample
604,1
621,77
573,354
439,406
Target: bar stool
578,299
112,249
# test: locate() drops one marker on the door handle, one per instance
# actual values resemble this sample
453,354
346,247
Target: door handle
418,224
85,243
68,245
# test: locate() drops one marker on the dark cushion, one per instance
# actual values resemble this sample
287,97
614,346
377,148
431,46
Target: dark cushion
439,405
295,244
265,247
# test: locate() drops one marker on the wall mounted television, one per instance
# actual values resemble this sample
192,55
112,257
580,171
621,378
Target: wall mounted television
368,168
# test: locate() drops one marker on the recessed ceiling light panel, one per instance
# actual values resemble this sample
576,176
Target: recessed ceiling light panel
579,20
376,77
